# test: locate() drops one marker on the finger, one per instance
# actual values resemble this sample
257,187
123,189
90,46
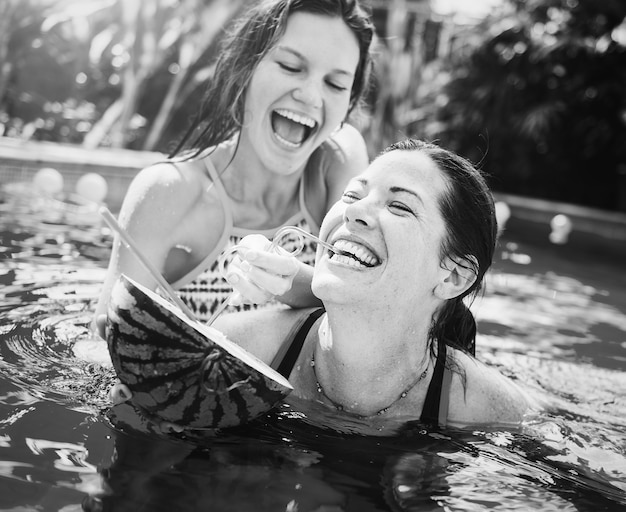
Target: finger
236,299
247,290
233,262
272,263
256,242
270,283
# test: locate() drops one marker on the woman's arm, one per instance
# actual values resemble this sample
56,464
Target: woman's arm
481,395
157,215
260,332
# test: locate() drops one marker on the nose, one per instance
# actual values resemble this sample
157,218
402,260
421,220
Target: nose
359,213
308,93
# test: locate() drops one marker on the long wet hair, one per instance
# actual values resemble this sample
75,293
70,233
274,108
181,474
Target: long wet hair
250,39
467,208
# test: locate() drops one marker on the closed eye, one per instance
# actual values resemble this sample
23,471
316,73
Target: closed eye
286,67
401,207
349,197
337,86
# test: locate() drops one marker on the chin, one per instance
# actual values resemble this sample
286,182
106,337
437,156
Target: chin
331,289
324,288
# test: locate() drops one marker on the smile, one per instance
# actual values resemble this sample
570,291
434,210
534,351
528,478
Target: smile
291,128
353,254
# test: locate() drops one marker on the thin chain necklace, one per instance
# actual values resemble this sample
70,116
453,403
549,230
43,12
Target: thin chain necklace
339,407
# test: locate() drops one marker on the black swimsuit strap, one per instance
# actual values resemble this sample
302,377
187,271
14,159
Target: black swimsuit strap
435,409
291,356
430,411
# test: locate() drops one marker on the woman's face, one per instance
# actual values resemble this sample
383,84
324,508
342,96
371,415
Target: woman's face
389,230
300,91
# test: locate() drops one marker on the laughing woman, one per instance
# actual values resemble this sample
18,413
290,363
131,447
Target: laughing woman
413,236
269,148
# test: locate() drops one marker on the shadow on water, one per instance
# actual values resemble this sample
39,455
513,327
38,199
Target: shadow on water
556,331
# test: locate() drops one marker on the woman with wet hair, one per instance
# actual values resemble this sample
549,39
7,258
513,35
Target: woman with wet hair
412,239
270,147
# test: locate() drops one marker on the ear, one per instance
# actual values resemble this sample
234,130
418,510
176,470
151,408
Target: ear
457,275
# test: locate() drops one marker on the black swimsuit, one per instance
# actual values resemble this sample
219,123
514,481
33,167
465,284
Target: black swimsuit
435,409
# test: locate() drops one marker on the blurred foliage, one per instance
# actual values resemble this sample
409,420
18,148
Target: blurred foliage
48,90
536,92
133,64
538,96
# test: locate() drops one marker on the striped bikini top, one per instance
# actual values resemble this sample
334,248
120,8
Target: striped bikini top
204,289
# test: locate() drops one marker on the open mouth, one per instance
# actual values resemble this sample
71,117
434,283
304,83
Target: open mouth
292,129
353,254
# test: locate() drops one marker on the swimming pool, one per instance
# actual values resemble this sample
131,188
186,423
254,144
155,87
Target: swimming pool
550,319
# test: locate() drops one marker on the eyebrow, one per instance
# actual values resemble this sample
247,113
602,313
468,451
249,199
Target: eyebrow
302,57
395,189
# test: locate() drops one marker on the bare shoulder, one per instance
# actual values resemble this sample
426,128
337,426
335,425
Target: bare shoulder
164,180
347,157
260,332
482,395
352,145
348,151
171,200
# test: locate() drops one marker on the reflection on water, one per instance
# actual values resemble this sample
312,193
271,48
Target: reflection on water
553,324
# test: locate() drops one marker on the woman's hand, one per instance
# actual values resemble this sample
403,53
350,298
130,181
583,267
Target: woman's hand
260,272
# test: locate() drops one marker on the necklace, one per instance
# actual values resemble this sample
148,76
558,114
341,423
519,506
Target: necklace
339,407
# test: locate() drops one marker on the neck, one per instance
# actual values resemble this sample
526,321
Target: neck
258,195
370,364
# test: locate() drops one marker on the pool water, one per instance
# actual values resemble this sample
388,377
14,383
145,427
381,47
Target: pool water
549,319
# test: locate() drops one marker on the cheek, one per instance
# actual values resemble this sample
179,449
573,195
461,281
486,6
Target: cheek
333,218
413,256
338,109
261,86
250,105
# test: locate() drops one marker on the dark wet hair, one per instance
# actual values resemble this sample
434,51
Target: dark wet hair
252,36
467,208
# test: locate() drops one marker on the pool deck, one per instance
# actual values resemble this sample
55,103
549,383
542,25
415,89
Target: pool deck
530,217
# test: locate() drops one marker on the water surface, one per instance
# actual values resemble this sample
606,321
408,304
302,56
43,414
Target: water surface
551,320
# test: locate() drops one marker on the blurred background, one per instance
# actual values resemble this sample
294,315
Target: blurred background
534,91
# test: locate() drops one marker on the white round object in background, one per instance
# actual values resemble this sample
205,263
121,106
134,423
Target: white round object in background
561,228
503,213
48,181
92,187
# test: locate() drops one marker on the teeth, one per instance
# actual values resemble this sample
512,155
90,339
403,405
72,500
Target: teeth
306,121
347,260
356,254
288,142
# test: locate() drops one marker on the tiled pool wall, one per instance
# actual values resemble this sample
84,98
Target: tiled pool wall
592,231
